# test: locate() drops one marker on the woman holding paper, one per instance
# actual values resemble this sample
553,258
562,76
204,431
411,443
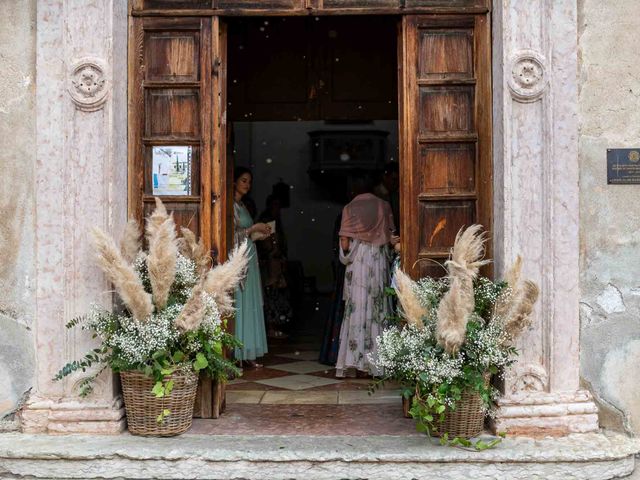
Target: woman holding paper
250,327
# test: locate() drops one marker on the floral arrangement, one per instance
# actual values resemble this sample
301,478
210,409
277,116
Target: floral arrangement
458,331
173,306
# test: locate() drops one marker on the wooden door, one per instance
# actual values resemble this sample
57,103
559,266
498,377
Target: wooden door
445,136
176,103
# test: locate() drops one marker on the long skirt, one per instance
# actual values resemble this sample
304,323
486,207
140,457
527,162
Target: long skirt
250,328
366,306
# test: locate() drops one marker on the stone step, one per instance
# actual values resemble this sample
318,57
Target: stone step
580,456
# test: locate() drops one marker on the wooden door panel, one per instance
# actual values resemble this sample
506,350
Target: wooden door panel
260,4
175,4
173,101
447,169
446,110
172,113
445,134
447,3
445,54
173,56
440,222
339,4
184,214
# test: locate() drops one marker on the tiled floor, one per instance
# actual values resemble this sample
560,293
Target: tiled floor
294,394
296,378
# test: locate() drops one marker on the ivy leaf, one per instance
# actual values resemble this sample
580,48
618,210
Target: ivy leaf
200,363
440,409
168,387
158,390
178,356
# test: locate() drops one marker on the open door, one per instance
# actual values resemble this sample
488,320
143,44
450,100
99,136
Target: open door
176,103
445,134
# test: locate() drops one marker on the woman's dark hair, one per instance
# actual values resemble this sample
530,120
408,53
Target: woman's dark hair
239,171
361,182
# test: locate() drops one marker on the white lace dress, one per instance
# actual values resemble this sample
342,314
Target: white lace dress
366,306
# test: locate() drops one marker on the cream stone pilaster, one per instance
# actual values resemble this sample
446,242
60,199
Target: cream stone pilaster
536,208
81,182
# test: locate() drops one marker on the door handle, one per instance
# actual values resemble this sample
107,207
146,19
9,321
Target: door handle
214,198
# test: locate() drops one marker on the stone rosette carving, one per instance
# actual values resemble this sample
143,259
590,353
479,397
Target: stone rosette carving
88,84
529,378
528,76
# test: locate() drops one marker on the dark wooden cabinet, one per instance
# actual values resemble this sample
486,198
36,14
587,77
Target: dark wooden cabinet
313,68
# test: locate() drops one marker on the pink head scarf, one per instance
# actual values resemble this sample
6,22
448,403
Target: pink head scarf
369,219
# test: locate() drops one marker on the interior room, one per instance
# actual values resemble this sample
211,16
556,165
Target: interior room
311,102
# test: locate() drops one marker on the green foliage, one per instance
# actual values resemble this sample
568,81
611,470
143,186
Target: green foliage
155,347
436,379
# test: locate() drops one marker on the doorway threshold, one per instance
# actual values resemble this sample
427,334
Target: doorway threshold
579,456
299,419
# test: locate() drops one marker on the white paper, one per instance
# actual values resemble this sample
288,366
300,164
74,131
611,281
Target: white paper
171,173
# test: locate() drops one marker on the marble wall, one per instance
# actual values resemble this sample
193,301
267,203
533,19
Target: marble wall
609,101
17,202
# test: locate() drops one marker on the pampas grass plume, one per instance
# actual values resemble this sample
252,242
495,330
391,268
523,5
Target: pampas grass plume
122,275
452,319
222,280
458,303
163,250
194,249
192,313
413,311
518,316
130,241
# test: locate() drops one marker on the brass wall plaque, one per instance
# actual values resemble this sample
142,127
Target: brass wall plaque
623,166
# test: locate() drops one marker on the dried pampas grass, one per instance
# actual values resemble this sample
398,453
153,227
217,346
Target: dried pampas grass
513,308
163,250
411,308
122,275
130,241
194,250
518,316
222,280
458,303
192,313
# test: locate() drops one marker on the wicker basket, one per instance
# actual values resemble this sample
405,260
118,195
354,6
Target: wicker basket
466,421
143,407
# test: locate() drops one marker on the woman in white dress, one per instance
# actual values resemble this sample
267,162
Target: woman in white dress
365,238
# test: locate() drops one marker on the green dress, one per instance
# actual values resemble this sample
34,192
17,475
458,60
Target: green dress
250,328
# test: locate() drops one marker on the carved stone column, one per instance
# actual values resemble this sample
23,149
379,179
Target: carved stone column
537,207
81,182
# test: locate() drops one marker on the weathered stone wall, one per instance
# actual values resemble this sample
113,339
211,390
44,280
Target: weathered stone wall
610,215
17,190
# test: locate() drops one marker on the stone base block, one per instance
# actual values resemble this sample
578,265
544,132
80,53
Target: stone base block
543,414
227,457
64,416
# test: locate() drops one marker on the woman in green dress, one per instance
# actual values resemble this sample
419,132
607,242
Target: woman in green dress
250,326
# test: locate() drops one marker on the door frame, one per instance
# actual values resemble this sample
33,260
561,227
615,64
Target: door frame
217,197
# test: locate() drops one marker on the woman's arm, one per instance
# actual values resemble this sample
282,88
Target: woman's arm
345,243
